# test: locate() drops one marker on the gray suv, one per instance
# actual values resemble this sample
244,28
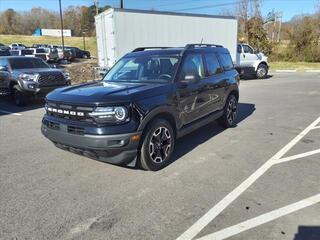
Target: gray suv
25,77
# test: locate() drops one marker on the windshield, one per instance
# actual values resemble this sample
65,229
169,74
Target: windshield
150,69
24,63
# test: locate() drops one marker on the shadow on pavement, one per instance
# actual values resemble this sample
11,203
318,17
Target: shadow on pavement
253,77
7,105
308,233
196,138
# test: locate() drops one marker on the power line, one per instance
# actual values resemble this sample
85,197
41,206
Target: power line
208,6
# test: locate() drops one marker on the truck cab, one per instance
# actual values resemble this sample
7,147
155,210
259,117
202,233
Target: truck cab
251,62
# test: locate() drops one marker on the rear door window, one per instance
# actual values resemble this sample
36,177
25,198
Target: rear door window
212,63
226,61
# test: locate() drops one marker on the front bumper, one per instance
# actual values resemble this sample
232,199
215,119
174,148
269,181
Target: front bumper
117,149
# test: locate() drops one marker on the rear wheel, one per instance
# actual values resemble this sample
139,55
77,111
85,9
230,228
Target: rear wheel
19,97
157,146
262,71
230,112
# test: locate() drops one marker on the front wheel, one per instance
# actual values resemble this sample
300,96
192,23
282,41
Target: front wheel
230,112
157,145
262,71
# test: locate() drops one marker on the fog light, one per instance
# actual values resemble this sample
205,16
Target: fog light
31,86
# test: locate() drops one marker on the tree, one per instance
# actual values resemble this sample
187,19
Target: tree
257,36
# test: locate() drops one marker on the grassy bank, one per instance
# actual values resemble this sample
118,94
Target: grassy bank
91,43
300,66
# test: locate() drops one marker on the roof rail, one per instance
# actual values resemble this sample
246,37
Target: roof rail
200,45
147,48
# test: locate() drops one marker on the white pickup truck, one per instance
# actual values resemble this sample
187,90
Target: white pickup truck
251,62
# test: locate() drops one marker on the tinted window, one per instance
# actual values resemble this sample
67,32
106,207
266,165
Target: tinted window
226,61
15,52
212,63
239,49
4,53
192,66
143,69
40,50
27,52
247,49
24,63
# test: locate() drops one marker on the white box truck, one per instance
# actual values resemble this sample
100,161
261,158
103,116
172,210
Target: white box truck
120,31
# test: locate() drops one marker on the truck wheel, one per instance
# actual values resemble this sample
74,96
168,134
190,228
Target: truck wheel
157,146
262,71
20,98
230,112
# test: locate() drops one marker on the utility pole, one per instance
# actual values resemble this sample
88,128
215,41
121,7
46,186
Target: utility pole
61,23
121,3
84,31
96,3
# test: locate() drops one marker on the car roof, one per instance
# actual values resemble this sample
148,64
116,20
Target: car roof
175,51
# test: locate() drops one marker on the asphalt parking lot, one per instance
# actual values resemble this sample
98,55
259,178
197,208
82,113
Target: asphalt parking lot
259,180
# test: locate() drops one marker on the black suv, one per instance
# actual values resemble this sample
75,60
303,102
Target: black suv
147,100
26,77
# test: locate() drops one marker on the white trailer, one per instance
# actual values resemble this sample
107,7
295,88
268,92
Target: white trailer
120,31
56,32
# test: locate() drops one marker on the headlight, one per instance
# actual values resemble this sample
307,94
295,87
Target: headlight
110,114
66,75
28,77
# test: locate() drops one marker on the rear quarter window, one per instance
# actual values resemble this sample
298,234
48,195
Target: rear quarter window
226,61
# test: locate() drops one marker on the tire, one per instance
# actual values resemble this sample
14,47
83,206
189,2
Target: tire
157,145
19,97
229,116
262,71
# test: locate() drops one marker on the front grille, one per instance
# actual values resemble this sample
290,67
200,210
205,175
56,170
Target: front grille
74,113
51,79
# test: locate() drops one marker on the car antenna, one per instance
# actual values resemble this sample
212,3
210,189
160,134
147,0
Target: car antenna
201,40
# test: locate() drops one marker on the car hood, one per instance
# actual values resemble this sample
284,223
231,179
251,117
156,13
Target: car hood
36,70
100,92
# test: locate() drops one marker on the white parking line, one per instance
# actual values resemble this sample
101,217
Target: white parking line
227,200
267,217
10,113
298,156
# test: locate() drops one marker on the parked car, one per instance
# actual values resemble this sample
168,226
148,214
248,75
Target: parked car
143,104
29,52
5,53
26,77
251,62
63,55
17,46
51,54
4,47
79,53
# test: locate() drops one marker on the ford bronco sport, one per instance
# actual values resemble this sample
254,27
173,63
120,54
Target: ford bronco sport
150,97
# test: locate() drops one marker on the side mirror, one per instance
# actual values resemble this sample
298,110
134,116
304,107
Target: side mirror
53,66
4,68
